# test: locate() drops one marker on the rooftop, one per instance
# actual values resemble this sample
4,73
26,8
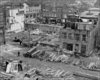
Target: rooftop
90,14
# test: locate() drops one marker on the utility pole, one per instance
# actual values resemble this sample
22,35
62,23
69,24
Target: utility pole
29,36
3,22
4,27
41,12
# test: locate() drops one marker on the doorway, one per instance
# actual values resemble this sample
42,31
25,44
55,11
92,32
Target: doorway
70,47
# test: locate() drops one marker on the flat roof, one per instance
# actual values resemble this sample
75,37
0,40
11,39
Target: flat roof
92,14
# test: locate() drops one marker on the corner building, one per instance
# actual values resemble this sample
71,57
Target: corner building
78,36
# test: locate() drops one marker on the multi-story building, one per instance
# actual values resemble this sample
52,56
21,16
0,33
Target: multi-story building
32,12
47,11
78,36
19,15
15,20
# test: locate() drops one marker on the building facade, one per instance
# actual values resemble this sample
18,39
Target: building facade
78,37
31,13
15,20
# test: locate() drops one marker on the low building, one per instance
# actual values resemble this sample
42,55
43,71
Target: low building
78,36
46,28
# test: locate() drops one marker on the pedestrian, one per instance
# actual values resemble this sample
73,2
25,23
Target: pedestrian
20,68
37,78
9,67
20,42
18,53
15,38
6,64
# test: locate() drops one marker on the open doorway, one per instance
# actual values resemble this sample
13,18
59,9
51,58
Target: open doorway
70,47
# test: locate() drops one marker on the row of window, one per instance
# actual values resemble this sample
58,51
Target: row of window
50,15
31,16
70,47
33,10
75,36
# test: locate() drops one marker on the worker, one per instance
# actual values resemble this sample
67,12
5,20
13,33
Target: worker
15,38
20,42
9,67
18,53
20,68
6,64
37,78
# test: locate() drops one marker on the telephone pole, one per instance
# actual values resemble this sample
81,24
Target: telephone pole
4,27
3,22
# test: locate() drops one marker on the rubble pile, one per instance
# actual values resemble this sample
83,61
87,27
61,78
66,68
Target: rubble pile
93,63
52,56
56,57
41,72
48,53
48,74
4,76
